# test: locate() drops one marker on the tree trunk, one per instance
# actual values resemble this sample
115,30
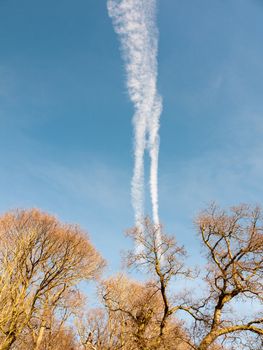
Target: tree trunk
207,341
40,337
6,345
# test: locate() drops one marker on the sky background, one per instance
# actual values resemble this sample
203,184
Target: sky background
65,116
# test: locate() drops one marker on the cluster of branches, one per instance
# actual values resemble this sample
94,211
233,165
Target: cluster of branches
42,261
145,316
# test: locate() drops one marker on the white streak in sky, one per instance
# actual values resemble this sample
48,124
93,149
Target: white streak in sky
134,22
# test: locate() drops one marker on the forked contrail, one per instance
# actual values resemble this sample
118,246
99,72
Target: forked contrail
134,22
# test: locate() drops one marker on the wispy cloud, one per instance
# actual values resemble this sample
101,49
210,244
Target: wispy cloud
134,22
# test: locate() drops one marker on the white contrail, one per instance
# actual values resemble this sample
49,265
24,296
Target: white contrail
134,22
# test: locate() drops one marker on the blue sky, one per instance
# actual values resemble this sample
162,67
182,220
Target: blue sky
65,115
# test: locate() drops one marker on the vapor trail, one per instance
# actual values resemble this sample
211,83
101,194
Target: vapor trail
134,22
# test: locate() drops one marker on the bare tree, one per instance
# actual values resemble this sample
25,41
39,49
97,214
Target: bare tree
160,256
40,260
234,247
50,321
136,310
94,330
57,338
233,243
131,308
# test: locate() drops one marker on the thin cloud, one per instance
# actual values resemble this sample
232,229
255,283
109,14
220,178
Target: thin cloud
134,22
